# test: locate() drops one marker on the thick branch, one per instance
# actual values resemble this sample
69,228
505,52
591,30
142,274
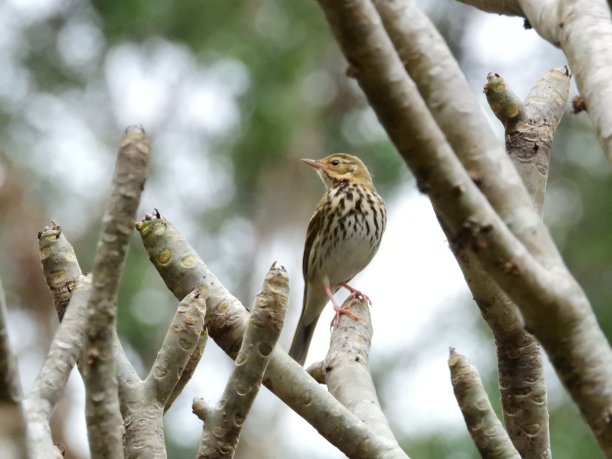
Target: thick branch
182,271
520,365
468,218
126,374
451,101
529,133
224,423
104,423
143,402
487,432
554,306
346,368
583,30
143,413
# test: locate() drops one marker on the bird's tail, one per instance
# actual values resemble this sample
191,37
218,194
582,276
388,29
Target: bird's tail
312,306
301,341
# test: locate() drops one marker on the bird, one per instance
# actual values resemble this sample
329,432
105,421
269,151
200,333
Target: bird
343,236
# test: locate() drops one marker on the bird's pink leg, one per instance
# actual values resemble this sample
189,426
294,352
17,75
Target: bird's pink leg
339,309
356,293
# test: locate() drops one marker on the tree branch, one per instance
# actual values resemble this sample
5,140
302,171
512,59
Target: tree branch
530,126
10,387
143,402
224,423
346,369
66,348
529,133
182,270
64,278
104,423
201,408
468,218
60,265
190,367
451,101
554,306
583,30
12,423
176,351
487,432
507,7
62,273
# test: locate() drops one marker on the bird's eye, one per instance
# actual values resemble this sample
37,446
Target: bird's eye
335,162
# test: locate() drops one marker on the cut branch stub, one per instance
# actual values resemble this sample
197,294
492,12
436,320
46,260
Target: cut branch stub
486,430
60,265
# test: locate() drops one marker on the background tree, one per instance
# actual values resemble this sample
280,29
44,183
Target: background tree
78,72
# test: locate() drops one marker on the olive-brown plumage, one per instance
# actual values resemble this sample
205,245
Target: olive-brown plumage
342,237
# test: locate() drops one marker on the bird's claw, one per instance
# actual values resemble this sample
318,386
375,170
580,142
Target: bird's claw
360,296
357,294
342,310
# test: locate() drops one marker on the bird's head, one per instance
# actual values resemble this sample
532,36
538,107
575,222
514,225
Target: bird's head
341,168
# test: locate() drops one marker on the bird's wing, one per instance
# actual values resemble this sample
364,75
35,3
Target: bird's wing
314,226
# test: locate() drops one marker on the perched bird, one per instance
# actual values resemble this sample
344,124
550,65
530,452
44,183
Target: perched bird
342,237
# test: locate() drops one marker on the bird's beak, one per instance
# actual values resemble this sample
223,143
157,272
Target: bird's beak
314,163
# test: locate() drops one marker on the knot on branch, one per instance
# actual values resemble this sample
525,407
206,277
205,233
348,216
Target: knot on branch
471,236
